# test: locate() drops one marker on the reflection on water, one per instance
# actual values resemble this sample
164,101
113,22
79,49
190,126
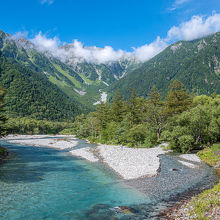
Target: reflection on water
42,183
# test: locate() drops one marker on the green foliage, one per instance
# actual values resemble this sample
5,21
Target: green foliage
33,126
186,124
2,150
194,129
156,114
31,94
203,205
118,107
136,135
3,118
177,100
210,155
194,67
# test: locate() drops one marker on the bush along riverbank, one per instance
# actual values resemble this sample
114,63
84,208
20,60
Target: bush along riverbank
205,206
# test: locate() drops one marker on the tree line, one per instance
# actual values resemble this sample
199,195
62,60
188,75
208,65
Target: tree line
185,121
27,125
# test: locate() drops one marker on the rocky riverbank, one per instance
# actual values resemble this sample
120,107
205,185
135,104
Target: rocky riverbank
129,163
62,142
205,205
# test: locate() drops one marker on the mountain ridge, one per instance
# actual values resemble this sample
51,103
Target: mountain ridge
195,63
79,80
83,84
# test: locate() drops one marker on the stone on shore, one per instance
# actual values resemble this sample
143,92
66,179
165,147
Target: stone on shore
85,153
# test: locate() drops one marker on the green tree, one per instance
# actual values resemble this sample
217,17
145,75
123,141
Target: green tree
103,116
135,107
177,100
196,128
156,115
117,107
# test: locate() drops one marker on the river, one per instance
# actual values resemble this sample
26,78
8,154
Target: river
44,183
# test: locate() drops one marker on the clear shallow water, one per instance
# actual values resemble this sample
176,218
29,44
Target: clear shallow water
43,183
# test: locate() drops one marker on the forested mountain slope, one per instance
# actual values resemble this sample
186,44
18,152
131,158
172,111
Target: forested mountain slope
31,94
195,63
77,78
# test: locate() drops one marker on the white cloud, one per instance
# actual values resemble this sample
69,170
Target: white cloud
20,34
96,55
178,4
49,2
195,28
148,51
76,50
93,54
45,44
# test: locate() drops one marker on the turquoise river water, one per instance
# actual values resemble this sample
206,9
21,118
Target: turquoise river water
44,183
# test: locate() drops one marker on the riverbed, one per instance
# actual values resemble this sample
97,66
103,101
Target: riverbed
47,183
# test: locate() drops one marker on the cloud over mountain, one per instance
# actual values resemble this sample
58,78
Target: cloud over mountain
196,27
148,51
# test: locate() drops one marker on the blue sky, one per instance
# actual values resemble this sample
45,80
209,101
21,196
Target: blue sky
121,24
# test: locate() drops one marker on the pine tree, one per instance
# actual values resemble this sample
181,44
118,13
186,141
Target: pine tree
154,96
102,114
177,100
117,107
135,107
155,113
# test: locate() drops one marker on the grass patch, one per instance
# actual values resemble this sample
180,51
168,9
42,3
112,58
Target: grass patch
204,205
211,155
88,81
67,75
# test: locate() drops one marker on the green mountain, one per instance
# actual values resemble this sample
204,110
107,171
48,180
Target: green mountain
30,93
44,85
195,63
78,79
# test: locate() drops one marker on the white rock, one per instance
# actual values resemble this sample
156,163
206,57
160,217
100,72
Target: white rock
190,157
188,164
85,153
